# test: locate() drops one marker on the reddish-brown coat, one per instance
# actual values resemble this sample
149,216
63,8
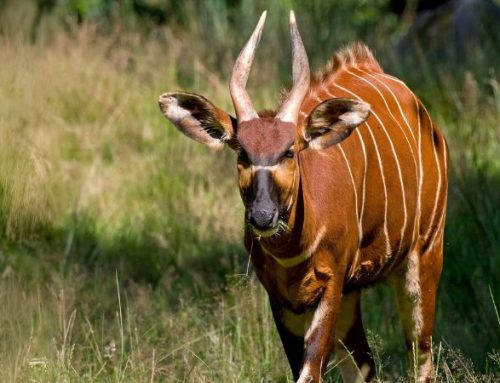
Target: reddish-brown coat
368,208
406,216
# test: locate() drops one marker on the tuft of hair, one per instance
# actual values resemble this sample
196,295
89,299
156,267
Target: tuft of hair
267,113
353,55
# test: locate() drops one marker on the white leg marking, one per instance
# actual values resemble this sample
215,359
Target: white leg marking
317,319
405,212
425,369
305,374
413,291
350,372
317,322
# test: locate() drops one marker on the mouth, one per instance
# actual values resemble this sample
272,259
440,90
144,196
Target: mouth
280,227
265,233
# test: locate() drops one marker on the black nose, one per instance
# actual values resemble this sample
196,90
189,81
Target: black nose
264,218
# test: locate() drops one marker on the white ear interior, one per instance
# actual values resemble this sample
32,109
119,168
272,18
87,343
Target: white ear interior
171,108
333,121
197,128
355,117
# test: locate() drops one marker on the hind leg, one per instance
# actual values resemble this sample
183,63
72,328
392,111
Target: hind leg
416,288
352,352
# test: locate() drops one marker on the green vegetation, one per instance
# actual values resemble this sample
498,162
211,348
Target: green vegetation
121,257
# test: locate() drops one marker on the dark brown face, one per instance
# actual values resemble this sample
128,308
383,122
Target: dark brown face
268,172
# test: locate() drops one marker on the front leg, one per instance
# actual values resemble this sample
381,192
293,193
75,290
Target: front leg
319,338
292,343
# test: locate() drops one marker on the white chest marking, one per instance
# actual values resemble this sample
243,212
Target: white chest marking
303,256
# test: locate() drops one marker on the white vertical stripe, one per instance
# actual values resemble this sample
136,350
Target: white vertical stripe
395,99
360,232
359,213
438,233
421,169
438,191
440,226
352,179
387,106
445,154
386,231
445,202
405,220
365,161
418,208
419,141
395,79
391,144
354,265
403,115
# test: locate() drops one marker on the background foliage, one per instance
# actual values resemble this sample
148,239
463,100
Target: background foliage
120,249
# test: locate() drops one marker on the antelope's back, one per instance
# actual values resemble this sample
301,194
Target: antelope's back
394,165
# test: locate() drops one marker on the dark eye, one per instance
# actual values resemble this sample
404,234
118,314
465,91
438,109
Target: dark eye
288,154
243,157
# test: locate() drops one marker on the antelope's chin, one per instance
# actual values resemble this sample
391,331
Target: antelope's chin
266,233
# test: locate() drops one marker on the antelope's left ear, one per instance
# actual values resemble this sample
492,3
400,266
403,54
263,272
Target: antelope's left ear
198,118
333,121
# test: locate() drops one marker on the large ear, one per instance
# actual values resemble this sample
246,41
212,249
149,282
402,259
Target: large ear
333,121
198,118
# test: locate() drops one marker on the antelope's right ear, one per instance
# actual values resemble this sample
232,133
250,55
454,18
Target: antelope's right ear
199,119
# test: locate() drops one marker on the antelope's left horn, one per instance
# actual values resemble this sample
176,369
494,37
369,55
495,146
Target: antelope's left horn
289,110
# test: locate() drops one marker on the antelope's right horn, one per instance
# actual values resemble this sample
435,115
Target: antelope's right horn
241,100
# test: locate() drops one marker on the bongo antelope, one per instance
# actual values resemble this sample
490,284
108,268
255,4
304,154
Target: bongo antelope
344,185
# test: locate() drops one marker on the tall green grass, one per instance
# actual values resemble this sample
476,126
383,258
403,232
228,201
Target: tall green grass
120,250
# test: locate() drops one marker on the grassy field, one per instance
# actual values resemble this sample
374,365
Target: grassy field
121,257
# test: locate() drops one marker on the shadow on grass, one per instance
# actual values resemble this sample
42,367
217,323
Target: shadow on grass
183,262
187,262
